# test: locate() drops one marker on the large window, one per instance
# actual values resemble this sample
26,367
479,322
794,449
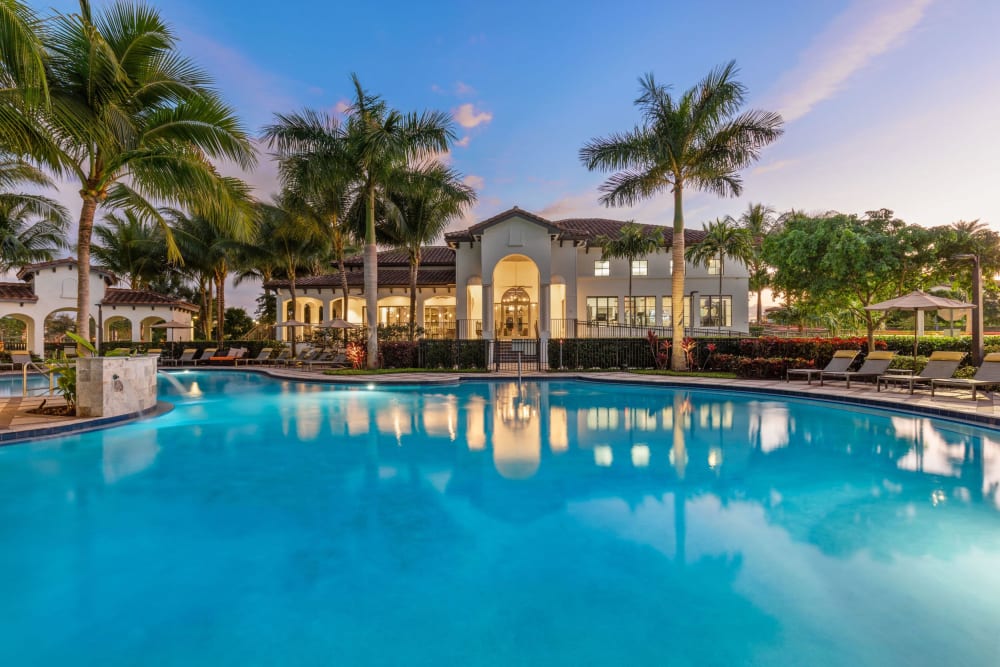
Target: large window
668,320
602,267
602,309
716,311
640,267
640,310
394,315
714,266
439,321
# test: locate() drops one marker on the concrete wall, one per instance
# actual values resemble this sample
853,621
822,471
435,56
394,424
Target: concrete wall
113,386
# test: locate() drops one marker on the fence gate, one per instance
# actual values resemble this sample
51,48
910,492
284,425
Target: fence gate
505,354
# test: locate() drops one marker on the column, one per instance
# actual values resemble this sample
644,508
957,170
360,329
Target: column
487,315
544,314
136,322
695,322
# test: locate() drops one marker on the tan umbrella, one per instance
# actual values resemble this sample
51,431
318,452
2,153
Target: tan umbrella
338,323
172,324
920,301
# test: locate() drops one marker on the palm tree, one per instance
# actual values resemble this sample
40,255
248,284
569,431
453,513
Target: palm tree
201,249
723,238
131,246
135,121
317,167
698,140
421,205
383,141
758,220
632,242
32,227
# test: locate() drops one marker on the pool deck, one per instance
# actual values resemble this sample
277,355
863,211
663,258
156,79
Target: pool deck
17,424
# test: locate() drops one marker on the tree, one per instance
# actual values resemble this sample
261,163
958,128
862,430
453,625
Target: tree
966,238
316,166
236,323
848,262
383,141
699,140
32,227
758,220
134,121
132,247
632,241
723,238
421,205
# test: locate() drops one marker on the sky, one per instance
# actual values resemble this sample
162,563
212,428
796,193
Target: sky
887,103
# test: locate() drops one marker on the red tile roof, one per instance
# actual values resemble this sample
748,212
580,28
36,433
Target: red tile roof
387,277
17,292
433,255
135,297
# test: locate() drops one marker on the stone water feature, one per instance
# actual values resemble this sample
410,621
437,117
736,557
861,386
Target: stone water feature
115,386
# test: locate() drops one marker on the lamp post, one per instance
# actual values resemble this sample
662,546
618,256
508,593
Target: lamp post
977,315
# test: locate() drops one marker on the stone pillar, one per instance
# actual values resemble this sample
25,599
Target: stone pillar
136,322
695,311
487,316
115,386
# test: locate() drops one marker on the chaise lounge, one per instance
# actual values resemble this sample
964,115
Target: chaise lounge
876,364
940,366
988,374
842,360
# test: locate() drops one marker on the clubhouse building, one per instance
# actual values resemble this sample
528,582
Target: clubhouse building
517,276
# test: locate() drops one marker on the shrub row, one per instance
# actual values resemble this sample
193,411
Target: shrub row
452,353
769,368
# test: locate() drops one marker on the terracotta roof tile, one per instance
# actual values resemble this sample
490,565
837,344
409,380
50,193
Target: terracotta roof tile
434,255
387,277
25,272
17,292
135,297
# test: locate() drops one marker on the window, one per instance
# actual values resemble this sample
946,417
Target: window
602,267
439,321
640,310
602,309
714,266
639,267
668,310
393,315
716,311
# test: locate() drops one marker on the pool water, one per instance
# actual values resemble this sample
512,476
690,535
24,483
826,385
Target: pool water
559,523
11,385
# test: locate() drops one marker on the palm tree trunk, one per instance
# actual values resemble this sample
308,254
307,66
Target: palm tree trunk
631,306
371,280
414,266
290,331
677,356
83,271
344,287
760,306
220,304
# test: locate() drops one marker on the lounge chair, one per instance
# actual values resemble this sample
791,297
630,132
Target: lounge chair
328,359
988,374
305,354
876,364
262,358
230,356
282,357
187,356
20,359
206,355
941,366
842,360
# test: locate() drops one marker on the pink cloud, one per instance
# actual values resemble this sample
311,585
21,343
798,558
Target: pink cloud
474,182
464,89
341,107
468,116
464,141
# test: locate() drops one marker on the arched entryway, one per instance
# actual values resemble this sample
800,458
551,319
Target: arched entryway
515,298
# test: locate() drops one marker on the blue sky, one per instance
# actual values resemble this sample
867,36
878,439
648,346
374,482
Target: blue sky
888,103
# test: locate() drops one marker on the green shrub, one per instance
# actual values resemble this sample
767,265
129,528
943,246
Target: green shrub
398,354
769,368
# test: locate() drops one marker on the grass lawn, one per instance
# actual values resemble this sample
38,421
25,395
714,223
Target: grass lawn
384,371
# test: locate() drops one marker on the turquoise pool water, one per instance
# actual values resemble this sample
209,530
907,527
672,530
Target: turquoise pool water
565,523
10,385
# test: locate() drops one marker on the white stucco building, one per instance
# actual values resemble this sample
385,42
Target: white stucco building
49,288
520,276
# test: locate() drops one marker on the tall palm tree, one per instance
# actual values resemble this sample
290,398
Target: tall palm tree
758,220
384,141
316,166
632,242
135,121
201,248
421,205
130,246
723,238
32,228
699,140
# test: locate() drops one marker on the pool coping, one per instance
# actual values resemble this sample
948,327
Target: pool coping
81,425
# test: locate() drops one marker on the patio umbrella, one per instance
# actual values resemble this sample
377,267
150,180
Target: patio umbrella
172,324
338,323
292,324
919,301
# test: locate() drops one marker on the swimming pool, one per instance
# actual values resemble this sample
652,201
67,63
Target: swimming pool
267,522
10,385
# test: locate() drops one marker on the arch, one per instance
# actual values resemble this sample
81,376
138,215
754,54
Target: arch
117,329
354,309
61,320
516,293
439,313
150,335
394,310
19,333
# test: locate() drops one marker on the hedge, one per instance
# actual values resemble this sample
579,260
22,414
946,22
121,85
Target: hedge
434,353
769,368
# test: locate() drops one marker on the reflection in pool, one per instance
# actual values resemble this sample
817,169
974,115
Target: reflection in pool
265,522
